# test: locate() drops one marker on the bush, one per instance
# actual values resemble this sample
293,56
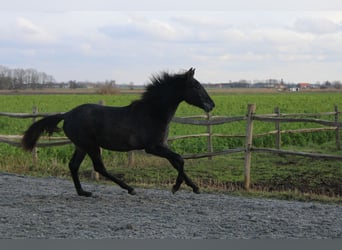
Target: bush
108,89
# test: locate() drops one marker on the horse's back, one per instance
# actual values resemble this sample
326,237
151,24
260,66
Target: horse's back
103,126
83,123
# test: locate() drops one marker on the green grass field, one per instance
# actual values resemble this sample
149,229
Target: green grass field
269,172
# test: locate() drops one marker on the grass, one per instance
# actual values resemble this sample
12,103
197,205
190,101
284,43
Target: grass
282,177
286,177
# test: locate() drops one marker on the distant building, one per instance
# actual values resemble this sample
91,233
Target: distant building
304,85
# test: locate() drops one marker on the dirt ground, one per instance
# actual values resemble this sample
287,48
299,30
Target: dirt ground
48,208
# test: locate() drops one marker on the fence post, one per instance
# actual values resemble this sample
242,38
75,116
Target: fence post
130,158
248,145
277,127
210,137
337,131
34,150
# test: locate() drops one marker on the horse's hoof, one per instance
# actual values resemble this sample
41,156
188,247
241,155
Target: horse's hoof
84,193
132,192
174,190
196,190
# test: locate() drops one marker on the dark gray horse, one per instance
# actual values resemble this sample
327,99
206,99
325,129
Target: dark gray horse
141,125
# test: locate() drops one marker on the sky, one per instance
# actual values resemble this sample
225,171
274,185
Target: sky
128,41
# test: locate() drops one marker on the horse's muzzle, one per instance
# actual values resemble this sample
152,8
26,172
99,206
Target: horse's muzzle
209,106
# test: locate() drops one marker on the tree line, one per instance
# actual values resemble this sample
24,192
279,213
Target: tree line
32,79
23,78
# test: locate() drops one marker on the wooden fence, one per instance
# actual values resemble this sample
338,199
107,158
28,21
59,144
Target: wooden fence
208,121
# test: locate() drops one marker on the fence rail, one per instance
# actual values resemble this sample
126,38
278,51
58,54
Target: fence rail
27,115
207,120
278,119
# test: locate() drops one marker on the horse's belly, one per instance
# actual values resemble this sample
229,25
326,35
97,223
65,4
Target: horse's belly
118,143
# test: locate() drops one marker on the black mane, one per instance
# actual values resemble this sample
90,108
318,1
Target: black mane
162,84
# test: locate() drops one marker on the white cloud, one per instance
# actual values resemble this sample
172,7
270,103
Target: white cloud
32,32
317,25
137,25
159,29
246,57
200,20
27,26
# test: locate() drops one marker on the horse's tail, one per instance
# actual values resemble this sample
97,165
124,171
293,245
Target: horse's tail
32,134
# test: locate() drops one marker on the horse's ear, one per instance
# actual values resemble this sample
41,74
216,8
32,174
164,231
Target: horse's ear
190,74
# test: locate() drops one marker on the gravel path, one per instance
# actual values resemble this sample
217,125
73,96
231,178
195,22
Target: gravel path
49,208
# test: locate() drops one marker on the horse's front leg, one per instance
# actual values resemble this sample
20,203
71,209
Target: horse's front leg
177,162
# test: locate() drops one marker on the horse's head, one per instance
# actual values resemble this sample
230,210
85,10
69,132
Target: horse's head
195,94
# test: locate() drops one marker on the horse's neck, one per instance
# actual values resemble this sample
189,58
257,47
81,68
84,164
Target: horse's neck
167,110
161,109
170,113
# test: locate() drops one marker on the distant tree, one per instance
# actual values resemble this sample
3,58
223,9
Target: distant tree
109,88
5,82
337,84
327,84
110,83
72,84
22,78
131,85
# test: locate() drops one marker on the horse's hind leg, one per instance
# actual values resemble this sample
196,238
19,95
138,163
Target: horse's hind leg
100,168
74,165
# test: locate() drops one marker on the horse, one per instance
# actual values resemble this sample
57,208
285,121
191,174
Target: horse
142,125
